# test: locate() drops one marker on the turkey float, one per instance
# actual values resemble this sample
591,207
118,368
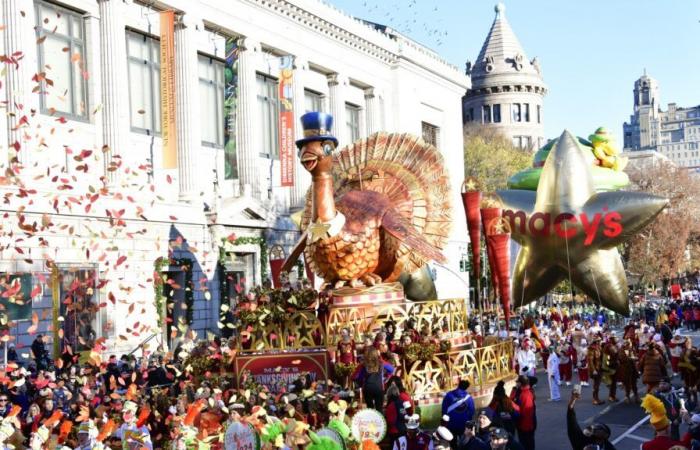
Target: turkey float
375,209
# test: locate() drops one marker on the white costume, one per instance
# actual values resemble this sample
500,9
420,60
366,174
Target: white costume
553,376
526,360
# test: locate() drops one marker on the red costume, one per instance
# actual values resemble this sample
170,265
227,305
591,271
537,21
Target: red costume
566,363
661,443
346,352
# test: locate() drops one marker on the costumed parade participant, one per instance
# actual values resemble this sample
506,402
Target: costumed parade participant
595,370
553,374
609,367
133,434
582,369
628,370
567,360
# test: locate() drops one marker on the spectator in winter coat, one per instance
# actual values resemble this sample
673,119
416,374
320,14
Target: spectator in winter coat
526,425
459,406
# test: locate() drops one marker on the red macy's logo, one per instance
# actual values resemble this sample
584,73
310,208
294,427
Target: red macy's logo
565,225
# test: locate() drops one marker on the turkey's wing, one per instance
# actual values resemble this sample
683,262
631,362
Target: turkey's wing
398,227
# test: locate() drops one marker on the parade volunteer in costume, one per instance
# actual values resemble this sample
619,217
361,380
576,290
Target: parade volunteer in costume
527,361
553,374
414,438
595,361
582,369
133,435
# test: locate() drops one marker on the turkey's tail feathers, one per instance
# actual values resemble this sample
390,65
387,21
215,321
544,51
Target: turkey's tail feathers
412,174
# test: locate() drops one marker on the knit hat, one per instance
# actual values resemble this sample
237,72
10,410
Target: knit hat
656,409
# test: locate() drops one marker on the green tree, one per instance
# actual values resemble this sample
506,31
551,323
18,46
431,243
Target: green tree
660,248
491,157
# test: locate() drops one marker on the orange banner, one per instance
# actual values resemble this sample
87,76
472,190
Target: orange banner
286,122
167,88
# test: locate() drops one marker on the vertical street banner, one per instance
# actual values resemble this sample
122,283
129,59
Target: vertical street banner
230,108
286,120
167,88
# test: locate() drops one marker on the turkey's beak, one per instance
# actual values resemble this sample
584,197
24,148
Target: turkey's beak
308,160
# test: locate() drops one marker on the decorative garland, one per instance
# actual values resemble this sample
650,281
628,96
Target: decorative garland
158,286
158,266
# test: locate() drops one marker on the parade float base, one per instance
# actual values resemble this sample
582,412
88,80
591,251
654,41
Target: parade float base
304,342
430,408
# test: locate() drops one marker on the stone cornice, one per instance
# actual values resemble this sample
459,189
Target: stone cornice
388,47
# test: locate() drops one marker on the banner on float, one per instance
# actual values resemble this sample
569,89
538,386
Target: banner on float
278,371
230,108
286,120
167,89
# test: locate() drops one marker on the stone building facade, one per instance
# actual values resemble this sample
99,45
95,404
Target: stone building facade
674,133
84,140
507,89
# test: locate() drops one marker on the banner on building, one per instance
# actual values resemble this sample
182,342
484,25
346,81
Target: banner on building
230,108
286,127
167,88
279,370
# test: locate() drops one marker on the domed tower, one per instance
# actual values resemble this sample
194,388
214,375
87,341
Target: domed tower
507,88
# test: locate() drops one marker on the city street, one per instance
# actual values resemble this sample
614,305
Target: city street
627,422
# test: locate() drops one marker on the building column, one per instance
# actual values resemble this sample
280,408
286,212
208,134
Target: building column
372,111
247,137
303,178
115,90
19,20
188,132
336,91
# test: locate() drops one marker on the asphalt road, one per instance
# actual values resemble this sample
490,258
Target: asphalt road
623,419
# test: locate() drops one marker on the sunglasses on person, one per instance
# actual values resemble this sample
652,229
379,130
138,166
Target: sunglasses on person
3,400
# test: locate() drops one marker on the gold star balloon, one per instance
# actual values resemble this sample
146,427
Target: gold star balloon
567,229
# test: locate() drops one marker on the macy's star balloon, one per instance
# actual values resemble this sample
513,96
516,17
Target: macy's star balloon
567,229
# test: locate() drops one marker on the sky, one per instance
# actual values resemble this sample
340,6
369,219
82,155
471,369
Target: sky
590,52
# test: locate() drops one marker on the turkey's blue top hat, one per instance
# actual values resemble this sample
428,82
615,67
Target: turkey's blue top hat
317,127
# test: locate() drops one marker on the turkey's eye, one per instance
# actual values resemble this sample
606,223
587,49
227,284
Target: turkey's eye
327,149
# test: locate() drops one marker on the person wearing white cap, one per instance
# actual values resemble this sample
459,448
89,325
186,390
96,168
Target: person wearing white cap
132,435
442,436
527,361
414,438
676,347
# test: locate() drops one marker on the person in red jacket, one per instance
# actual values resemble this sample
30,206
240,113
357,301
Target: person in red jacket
526,424
395,413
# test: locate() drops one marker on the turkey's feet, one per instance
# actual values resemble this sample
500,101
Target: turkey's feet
371,279
355,283
339,284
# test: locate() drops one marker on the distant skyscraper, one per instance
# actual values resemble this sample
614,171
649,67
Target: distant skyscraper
507,88
675,133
